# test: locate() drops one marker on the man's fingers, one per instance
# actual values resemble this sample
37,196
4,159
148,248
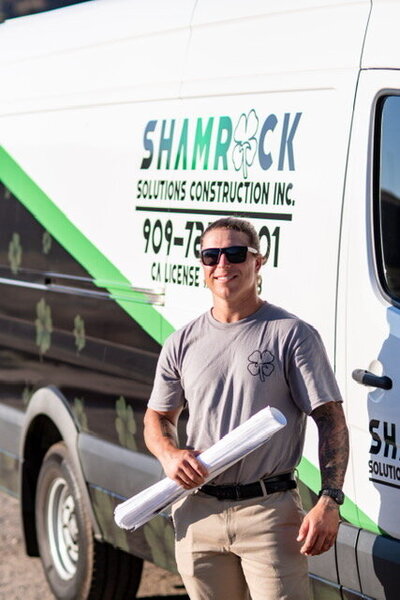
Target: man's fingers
327,546
186,478
317,544
309,543
183,467
320,547
302,532
197,466
191,473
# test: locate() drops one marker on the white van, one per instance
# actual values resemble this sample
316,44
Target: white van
125,128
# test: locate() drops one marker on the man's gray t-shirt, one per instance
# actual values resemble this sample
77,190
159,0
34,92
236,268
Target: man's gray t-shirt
226,372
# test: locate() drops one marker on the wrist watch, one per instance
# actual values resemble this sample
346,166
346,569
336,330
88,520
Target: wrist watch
336,494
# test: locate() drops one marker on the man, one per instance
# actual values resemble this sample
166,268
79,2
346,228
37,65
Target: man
245,533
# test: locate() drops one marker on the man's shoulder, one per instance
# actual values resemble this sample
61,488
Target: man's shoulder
285,321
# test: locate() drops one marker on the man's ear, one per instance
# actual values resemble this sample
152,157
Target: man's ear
259,262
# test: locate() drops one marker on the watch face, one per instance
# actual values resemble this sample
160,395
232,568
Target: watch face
336,495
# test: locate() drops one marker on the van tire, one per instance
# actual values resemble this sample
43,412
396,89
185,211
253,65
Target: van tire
77,566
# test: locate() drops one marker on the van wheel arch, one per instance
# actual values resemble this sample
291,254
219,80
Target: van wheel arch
48,420
76,565
51,465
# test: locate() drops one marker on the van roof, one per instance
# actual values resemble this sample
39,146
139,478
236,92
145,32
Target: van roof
155,49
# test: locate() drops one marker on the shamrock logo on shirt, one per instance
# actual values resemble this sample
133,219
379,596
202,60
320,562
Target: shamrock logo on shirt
260,363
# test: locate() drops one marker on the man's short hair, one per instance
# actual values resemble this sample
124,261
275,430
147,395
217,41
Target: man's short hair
235,224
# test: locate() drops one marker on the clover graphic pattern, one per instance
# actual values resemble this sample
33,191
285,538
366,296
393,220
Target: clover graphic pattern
160,537
261,364
104,507
79,333
44,326
245,148
15,253
27,394
80,413
125,424
46,242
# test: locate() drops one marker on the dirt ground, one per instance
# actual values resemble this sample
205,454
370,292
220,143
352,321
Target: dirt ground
21,577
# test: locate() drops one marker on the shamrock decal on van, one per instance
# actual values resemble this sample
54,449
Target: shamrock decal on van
46,242
15,253
44,326
80,413
246,143
79,333
261,364
160,537
125,424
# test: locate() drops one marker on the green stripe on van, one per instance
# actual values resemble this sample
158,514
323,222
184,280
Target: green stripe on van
104,273
310,476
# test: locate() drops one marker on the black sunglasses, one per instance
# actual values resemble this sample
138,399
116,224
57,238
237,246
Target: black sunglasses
235,254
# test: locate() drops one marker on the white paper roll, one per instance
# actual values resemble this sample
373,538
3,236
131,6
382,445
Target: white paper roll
234,446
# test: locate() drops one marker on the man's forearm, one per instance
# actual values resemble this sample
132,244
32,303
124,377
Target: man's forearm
320,525
333,444
160,433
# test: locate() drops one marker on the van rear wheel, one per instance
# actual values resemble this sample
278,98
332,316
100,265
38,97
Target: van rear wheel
77,567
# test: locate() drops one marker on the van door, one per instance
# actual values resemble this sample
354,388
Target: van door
369,326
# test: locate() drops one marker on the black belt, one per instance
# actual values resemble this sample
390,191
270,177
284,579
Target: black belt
279,483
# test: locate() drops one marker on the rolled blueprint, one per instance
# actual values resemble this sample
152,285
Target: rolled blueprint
234,446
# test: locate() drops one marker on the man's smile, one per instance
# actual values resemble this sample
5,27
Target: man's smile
226,277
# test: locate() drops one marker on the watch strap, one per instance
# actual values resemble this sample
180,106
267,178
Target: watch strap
335,493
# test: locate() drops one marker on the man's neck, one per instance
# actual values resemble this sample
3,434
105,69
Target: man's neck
227,312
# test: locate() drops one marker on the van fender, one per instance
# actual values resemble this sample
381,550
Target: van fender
48,420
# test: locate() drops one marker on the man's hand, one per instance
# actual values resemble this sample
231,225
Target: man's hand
183,467
161,439
319,527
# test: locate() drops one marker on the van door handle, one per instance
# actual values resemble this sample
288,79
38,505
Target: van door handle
368,378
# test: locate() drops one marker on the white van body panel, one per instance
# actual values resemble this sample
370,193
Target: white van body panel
381,49
277,38
366,314
75,63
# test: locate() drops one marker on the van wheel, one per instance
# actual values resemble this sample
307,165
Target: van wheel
77,567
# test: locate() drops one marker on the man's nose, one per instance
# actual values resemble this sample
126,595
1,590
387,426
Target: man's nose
223,260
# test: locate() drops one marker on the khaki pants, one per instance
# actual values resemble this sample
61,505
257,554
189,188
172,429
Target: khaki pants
236,550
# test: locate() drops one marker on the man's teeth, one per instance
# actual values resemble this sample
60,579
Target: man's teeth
224,277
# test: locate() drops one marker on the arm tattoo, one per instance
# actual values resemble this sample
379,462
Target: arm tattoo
333,443
168,430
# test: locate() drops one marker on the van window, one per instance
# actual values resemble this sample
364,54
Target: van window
387,195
